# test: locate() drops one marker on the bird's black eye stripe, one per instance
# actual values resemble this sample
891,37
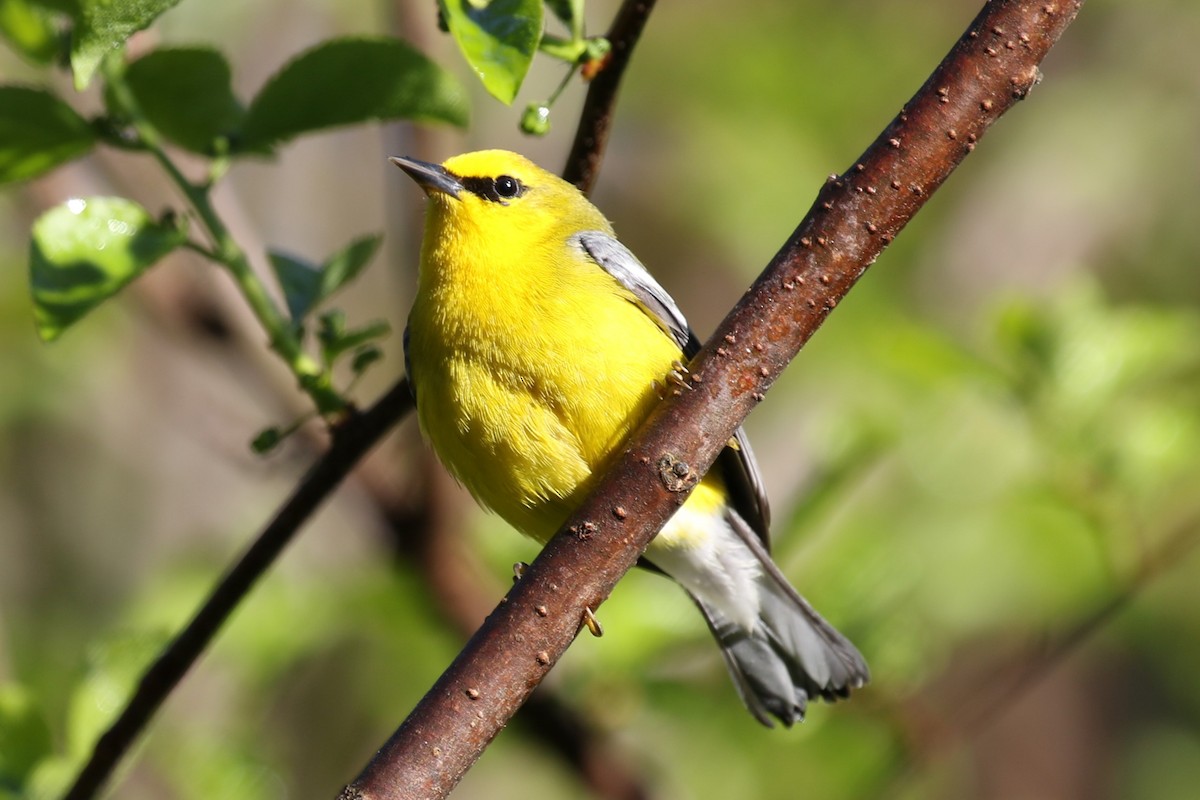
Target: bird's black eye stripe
497,190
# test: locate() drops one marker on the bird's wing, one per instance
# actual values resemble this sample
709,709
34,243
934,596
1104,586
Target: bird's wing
616,259
737,463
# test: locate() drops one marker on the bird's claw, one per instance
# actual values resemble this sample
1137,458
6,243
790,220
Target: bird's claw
591,623
678,375
676,379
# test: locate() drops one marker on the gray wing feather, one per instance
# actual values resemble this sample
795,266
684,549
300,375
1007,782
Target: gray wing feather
615,259
737,463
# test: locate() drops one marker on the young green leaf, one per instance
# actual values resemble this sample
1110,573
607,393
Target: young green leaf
37,133
570,12
350,81
102,26
300,281
344,265
267,440
85,251
305,286
335,339
498,40
364,357
185,93
29,28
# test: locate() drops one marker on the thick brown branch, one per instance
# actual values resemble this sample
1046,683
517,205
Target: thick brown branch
583,163
855,216
351,441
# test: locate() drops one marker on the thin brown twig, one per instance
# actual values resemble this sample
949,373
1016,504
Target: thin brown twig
855,216
595,121
352,439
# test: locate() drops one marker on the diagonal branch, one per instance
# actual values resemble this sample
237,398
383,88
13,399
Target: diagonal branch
855,216
350,443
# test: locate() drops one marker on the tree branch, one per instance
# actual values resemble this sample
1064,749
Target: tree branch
595,121
351,441
855,216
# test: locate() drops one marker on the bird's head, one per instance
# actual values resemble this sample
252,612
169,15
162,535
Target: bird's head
501,196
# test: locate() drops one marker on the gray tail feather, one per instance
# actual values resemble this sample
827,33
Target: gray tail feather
792,655
788,659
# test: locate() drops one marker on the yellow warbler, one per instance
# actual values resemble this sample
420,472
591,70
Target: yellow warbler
535,346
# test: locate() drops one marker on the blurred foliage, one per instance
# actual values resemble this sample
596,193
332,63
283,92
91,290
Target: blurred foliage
991,442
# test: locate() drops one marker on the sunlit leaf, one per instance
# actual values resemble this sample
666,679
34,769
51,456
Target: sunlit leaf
498,40
37,133
351,81
102,26
85,251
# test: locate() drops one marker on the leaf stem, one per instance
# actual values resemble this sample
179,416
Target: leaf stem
312,378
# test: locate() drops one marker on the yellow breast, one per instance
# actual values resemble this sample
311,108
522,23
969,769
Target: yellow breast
529,372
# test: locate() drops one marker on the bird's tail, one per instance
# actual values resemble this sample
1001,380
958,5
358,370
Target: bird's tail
791,654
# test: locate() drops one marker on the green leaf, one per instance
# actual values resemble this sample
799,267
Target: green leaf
344,265
102,26
37,133
350,81
186,94
306,286
498,40
570,12
267,440
30,29
336,339
24,735
300,281
85,251
364,357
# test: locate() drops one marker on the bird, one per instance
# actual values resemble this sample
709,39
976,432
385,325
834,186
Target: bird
535,345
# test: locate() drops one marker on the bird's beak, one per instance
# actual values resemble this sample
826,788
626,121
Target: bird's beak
430,177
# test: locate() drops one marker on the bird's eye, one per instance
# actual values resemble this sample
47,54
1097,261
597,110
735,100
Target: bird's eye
508,186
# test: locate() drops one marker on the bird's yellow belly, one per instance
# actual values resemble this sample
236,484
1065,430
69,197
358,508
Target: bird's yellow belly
525,429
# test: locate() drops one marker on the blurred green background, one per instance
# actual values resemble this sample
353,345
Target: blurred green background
985,467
